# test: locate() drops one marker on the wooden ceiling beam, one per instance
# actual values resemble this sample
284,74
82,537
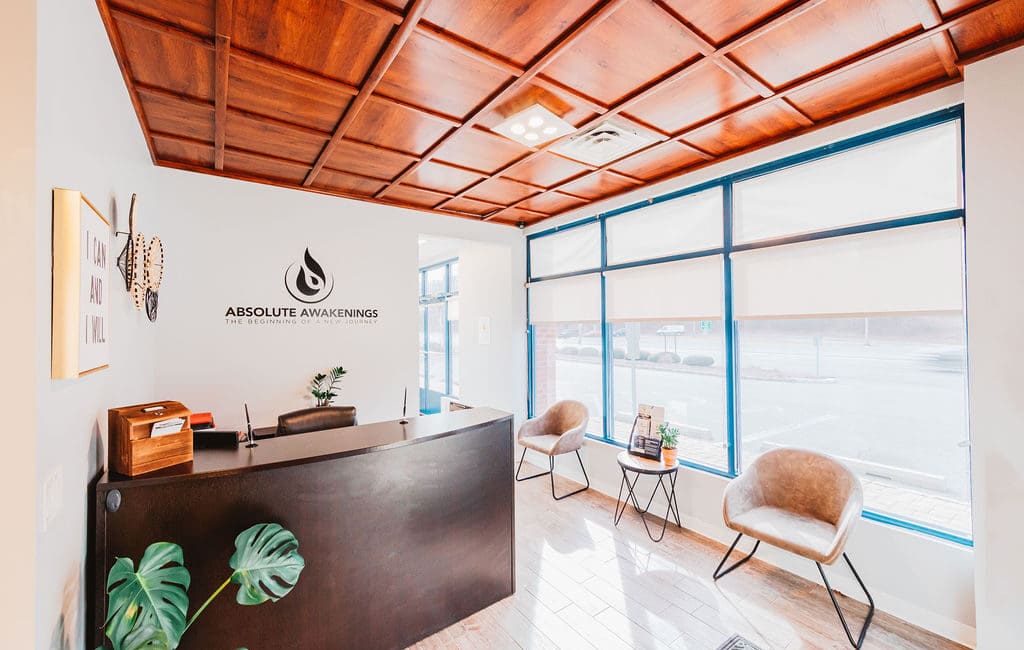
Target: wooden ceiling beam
381,11
380,68
780,94
224,17
604,9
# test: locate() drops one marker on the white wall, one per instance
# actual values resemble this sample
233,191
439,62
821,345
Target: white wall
994,94
230,244
17,332
88,139
921,579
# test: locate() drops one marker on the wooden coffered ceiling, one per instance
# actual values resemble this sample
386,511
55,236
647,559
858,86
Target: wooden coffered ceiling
393,101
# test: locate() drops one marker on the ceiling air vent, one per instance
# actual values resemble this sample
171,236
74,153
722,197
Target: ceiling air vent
608,141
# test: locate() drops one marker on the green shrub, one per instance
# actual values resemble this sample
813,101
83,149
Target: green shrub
699,360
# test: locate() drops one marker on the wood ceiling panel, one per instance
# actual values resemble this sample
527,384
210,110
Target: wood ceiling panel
501,190
167,114
162,60
743,129
329,179
311,34
719,20
429,73
436,176
255,166
663,160
517,30
252,134
867,84
396,127
262,89
573,112
192,15
413,196
469,206
552,203
708,92
546,170
363,159
480,151
287,91
997,24
181,151
829,33
597,185
638,43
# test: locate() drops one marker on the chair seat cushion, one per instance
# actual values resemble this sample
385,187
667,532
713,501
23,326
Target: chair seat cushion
543,444
808,537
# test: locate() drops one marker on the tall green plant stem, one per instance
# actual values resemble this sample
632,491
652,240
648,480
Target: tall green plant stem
208,601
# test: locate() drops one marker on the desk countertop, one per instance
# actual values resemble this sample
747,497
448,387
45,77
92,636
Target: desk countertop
313,447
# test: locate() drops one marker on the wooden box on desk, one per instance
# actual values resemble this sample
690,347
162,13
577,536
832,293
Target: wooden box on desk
132,451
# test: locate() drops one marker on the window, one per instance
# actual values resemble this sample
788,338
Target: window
689,223
815,302
439,335
666,323
568,350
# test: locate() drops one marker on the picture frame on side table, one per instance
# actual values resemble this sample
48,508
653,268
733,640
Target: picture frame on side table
81,287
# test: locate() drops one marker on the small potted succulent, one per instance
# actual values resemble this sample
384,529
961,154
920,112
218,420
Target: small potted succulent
669,443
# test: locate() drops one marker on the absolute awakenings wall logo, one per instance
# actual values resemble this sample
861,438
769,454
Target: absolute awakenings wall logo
308,282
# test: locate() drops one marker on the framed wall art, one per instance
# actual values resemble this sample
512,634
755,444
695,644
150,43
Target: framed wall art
81,287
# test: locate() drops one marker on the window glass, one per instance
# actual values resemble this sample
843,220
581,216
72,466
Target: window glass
567,364
885,395
679,365
575,249
906,175
436,281
689,223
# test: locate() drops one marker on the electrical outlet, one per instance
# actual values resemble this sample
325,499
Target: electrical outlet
53,496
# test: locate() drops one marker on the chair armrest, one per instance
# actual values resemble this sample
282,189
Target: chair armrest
741,496
530,428
849,516
571,440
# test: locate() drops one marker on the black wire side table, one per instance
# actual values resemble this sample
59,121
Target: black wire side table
643,466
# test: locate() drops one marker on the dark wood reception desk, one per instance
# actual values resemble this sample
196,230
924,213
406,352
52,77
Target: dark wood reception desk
405,529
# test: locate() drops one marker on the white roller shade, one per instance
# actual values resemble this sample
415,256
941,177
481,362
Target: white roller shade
575,249
687,290
569,300
903,270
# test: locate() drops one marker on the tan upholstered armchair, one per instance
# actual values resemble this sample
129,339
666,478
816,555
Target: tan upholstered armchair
803,502
560,430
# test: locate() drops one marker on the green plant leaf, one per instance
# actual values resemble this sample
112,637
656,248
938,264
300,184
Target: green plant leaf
267,564
150,601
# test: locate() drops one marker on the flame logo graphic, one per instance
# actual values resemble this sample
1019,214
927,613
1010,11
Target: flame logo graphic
307,281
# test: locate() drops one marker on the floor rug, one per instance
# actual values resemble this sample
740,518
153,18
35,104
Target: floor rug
736,642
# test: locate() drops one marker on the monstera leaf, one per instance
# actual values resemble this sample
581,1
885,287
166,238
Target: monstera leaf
267,564
147,607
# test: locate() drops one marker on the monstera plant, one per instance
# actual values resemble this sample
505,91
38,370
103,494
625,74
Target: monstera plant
147,607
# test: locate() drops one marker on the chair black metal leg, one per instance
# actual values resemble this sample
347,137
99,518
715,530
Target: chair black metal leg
719,573
552,472
527,478
835,603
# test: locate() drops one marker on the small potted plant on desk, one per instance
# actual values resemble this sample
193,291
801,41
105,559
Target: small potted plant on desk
669,444
323,386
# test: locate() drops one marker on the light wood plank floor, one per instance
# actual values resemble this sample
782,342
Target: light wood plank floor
582,583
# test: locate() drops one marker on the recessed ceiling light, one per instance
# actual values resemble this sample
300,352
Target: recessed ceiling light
533,126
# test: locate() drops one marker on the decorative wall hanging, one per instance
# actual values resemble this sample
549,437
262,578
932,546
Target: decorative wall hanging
142,267
81,287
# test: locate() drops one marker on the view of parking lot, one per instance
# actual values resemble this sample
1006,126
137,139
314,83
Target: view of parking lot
887,395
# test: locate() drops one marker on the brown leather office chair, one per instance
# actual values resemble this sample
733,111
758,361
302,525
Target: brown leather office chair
316,419
560,430
800,501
